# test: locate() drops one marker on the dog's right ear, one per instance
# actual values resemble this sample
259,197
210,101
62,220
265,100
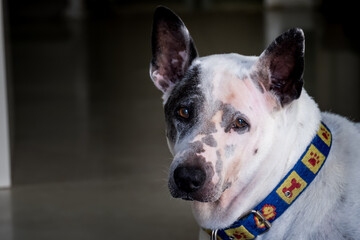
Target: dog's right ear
280,67
172,49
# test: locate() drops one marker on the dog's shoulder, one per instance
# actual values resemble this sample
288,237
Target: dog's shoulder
344,164
346,138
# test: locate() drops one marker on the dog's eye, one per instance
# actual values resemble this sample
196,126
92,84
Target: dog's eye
184,112
240,123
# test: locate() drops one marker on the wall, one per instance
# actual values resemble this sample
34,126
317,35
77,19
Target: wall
4,129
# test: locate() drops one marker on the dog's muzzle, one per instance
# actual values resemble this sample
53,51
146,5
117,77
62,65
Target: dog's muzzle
189,179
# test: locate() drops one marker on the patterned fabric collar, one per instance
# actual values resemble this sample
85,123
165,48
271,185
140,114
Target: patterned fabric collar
259,220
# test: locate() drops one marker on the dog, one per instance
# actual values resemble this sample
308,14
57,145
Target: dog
238,127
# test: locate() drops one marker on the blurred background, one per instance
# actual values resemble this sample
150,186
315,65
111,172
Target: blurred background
82,127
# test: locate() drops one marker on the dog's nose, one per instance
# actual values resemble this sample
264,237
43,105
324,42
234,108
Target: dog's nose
189,179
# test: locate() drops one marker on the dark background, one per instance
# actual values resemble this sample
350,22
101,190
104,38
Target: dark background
89,155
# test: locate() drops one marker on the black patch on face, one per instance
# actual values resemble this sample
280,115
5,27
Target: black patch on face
229,150
209,140
219,164
256,151
209,128
185,94
197,147
230,114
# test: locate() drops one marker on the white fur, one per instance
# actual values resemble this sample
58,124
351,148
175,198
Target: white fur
329,208
320,212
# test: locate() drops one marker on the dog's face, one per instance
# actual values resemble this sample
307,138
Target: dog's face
220,109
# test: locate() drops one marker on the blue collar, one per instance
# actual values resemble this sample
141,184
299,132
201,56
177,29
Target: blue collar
259,220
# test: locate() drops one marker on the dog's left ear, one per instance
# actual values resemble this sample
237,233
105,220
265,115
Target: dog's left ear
173,49
280,67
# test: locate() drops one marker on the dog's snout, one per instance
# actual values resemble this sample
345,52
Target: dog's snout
189,179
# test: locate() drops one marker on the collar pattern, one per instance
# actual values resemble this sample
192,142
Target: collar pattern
259,220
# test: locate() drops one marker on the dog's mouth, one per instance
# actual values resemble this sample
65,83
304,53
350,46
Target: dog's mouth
188,198
198,198
205,194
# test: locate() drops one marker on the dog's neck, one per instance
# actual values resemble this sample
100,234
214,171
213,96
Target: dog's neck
299,123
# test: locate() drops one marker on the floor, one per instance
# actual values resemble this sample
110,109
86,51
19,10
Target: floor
89,156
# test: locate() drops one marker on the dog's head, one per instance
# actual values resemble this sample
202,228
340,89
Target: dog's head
220,109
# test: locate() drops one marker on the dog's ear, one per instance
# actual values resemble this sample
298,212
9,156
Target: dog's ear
172,49
280,67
